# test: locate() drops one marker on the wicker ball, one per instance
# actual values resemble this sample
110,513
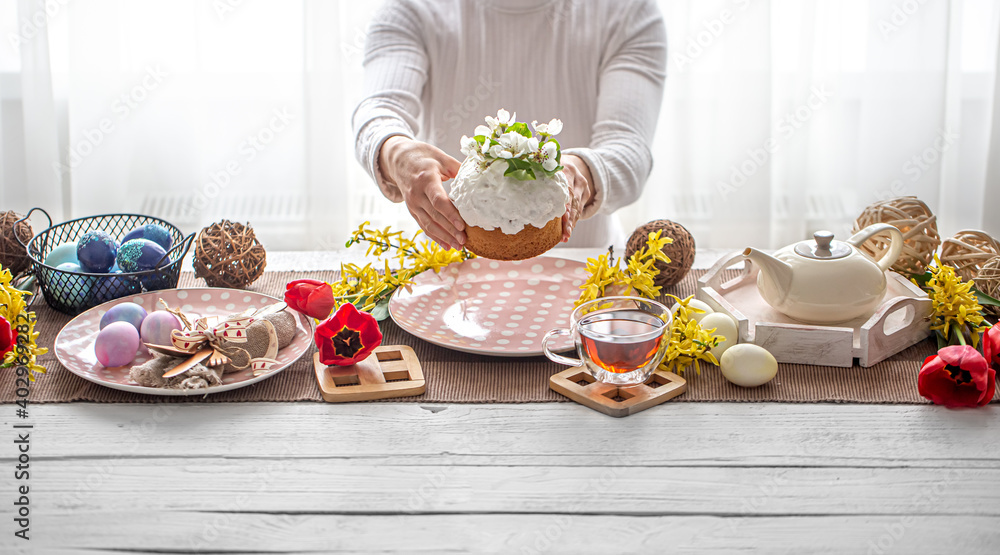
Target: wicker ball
967,251
988,281
13,256
680,252
918,225
228,254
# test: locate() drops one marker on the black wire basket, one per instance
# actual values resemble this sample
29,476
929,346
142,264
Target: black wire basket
74,292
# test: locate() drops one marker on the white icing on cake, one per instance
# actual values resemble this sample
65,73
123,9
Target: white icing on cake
490,200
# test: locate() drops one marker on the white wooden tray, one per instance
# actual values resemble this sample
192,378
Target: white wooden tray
900,321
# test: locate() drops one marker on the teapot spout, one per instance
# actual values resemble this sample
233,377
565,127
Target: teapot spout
777,274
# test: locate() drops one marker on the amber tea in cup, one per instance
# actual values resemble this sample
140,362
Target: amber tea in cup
620,340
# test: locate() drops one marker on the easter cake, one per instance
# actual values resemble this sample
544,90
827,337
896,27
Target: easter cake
510,189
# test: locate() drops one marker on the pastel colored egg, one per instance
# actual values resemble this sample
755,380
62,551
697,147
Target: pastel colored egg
124,312
724,326
748,365
117,344
96,251
70,289
139,254
694,303
113,287
63,253
153,232
157,326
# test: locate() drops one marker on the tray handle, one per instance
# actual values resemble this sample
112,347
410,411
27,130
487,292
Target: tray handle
878,344
713,277
26,216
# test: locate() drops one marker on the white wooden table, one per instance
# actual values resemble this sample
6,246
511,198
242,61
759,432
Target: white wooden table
533,478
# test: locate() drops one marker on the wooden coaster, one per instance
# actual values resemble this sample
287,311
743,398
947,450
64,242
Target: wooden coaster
390,371
613,400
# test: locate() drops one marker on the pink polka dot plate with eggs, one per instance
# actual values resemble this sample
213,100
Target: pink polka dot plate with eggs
74,346
491,307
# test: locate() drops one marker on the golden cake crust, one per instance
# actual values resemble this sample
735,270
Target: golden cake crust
527,243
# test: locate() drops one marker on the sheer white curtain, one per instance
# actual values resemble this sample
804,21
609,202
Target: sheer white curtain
780,117
189,110
785,116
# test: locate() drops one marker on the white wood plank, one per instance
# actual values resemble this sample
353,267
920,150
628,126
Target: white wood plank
350,487
691,434
192,531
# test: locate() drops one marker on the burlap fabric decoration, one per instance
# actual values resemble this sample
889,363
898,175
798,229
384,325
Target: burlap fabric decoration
988,281
258,341
680,252
967,251
916,222
150,373
228,254
13,256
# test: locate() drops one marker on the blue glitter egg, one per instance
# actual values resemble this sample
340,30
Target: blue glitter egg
69,289
61,254
113,287
96,251
157,281
153,232
139,254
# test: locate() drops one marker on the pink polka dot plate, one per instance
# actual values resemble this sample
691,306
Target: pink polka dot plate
491,307
74,346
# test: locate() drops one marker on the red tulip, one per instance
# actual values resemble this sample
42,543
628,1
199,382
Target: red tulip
8,337
991,345
347,337
310,297
957,376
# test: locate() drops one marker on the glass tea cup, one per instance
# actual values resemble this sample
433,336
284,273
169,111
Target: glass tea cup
620,340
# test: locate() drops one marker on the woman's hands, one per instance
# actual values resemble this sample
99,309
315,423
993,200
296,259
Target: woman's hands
418,169
581,189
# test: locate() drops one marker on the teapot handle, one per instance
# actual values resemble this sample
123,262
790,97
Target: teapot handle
895,247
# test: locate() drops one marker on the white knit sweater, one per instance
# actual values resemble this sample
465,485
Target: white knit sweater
435,68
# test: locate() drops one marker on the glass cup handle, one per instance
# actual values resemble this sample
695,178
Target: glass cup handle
554,357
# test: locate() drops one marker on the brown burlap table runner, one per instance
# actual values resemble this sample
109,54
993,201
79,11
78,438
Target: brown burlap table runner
456,377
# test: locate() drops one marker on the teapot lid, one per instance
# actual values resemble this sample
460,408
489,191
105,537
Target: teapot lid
823,247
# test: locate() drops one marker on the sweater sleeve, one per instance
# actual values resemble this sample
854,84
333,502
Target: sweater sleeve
630,91
396,67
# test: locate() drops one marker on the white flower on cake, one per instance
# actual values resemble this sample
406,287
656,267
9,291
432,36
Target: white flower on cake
511,177
470,147
550,152
503,118
504,138
551,128
512,145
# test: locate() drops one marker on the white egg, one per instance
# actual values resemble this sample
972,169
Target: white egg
748,365
725,326
694,303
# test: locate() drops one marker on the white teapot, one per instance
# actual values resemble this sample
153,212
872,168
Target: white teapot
824,281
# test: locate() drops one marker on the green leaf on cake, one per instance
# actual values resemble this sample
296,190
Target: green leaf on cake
520,170
521,129
520,175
